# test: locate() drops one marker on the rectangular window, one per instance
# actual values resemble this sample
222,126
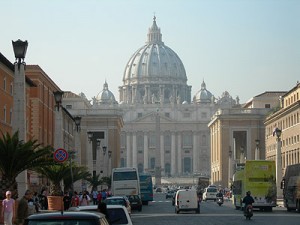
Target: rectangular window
267,106
4,83
140,115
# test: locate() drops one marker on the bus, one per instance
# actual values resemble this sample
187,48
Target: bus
146,186
125,181
258,177
291,187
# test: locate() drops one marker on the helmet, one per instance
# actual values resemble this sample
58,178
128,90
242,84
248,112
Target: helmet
248,193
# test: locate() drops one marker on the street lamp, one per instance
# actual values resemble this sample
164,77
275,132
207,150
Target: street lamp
257,149
242,157
104,149
20,49
58,97
109,154
19,104
90,136
77,120
277,131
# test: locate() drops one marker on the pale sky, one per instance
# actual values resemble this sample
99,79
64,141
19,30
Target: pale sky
245,47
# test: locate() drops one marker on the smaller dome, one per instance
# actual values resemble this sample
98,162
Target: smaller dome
105,96
203,96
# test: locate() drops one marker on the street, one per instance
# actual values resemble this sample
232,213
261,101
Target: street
161,211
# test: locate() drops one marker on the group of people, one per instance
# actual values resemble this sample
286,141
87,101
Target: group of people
8,208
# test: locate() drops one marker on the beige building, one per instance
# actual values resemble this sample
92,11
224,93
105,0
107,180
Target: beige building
238,134
287,119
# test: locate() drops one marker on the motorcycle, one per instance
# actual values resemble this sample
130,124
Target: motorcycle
219,201
248,213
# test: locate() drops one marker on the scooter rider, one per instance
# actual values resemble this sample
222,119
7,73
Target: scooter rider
220,195
248,200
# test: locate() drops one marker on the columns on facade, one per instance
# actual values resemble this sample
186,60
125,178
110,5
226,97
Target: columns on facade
146,151
162,151
173,154
89,154
134,150
195,151
128,150
179,154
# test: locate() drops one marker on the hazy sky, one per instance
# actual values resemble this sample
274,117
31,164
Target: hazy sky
245,47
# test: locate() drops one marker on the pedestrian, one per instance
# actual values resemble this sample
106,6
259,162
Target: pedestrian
43,200
22,211
103,194
8,209
67,201
36,202
94,194
99,197
75,199
102,208
85,199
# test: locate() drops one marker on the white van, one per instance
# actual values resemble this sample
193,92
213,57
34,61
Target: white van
210,193
186,200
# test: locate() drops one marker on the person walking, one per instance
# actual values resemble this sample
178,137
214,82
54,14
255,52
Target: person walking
22,211
67,201
8,209
95,193
75,199
85,199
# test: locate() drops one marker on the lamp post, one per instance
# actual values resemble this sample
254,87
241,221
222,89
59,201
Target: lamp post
257,149
19,103
157,152
105,172
242,157
58,140
277,131
77,120
109,163
229,167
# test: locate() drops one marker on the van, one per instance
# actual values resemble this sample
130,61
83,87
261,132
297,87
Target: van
186,200
210,193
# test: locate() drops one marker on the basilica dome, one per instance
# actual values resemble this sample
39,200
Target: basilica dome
203,95
105,96
154,71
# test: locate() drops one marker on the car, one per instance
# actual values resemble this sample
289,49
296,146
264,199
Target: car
135,202
119,200
187,200
118,214
158,190
170,194
66,218
210,193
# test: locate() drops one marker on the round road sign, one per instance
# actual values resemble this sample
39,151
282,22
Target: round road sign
60,155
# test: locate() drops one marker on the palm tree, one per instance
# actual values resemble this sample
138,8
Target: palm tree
79,172
94,181
17,156
55,173
107,181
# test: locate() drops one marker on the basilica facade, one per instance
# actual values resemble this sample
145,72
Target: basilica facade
163,124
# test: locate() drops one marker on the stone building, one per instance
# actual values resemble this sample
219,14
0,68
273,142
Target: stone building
287,119
238,134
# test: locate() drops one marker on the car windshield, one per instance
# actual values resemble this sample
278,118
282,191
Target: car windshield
61,222
115,202
117,216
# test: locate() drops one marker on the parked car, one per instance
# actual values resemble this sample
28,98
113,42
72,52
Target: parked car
118,214
119,200
66,218
135,202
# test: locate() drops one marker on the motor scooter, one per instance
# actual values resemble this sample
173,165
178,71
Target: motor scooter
220,201
248,213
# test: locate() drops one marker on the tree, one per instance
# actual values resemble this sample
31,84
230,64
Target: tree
79,172
94,181
55,173
107,181
17,156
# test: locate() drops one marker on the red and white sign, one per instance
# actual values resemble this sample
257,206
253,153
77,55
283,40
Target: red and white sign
60,155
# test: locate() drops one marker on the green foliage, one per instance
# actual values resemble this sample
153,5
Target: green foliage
79,173
17,156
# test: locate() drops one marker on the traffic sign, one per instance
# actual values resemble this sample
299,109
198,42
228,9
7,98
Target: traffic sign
60,155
